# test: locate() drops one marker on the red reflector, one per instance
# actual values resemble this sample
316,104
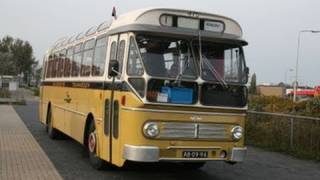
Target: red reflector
123,100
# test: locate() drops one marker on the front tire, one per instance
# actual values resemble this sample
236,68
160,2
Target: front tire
95,161
52,132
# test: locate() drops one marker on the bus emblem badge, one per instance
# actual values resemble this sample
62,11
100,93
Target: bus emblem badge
195,118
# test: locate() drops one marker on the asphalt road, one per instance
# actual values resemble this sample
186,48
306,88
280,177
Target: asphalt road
71,162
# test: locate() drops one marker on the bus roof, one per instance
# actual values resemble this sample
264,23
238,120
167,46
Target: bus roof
148,20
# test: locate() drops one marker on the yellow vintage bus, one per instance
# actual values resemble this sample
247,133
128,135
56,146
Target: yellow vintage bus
153,85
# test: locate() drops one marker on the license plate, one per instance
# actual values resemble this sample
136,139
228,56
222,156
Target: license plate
195,154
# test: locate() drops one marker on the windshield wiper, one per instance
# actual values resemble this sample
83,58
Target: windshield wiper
185,67
214,72
211,68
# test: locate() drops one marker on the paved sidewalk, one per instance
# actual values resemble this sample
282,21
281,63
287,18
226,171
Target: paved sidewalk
21,157
23,93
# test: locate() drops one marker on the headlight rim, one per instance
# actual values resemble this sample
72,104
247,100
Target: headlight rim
147,125
233,132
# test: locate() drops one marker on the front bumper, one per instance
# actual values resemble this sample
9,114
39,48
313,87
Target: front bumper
152,154
238,154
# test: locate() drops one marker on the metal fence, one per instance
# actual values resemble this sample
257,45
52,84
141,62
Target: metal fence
299,135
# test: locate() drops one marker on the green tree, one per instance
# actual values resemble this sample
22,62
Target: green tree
7,66
253,84
5,44
37,75
16,57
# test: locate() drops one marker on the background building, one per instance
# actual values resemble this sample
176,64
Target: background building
271,90
9,82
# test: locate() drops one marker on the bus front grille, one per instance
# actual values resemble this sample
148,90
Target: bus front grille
212,131
177,130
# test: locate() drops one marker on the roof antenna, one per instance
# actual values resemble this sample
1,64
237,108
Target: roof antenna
114,13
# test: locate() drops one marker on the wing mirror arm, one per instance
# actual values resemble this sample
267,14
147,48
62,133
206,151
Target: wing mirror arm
113,68
115,71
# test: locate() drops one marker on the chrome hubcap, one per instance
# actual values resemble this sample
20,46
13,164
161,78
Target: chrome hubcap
92,142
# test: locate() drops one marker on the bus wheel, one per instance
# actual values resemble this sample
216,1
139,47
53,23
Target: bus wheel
193,165
95,161
52,132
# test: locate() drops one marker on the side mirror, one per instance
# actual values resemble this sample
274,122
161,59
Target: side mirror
113,68
246,74
247,70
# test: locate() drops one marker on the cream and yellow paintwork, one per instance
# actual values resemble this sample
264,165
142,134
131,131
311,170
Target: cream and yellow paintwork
70,118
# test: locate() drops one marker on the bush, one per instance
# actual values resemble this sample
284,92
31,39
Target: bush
4,93
313,106
273,132
36,91
284,105
270,104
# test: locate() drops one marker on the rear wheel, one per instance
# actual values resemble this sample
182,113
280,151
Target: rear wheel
193,165
52,132
95,161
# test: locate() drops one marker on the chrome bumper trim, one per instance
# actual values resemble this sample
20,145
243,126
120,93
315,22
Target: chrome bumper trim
141,153
195,147
238,154
152,154
191,159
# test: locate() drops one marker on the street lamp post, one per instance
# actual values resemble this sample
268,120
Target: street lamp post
297,63
286,75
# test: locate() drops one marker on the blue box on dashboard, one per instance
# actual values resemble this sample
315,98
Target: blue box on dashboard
178,95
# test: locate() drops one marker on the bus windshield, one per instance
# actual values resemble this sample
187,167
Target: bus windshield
181,58
167,57
221,62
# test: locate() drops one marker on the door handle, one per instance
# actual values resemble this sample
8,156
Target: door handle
67,99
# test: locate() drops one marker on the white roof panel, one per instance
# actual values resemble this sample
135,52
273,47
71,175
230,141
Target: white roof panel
151,16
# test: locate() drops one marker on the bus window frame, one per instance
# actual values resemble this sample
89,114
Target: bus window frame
61,59
44,67
75,52
112,54
123,55
55,65
105,37
69,49
133,39
84,50
48,70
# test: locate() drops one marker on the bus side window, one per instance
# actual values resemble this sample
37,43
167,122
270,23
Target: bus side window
44,69
120,56
54,66
67,62
76,60
134,65
87,57
113,51
49,65
62,55
99,60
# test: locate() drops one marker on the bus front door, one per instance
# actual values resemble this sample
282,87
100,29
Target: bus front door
116,50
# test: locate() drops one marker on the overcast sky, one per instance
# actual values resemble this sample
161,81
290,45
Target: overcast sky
270,26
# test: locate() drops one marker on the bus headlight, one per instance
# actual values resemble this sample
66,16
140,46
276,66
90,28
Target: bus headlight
237,132
151,129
